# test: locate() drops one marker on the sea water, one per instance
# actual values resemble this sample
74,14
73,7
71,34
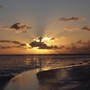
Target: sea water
16,64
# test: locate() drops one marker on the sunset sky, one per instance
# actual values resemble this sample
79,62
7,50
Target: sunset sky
44,26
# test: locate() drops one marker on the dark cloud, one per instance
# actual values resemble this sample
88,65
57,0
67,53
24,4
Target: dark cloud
18,27
40,39
74,18
42,45
49,47
38,44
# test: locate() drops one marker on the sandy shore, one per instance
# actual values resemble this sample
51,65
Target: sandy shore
74,78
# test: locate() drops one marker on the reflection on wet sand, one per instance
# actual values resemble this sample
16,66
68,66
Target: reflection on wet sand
24,81
75,78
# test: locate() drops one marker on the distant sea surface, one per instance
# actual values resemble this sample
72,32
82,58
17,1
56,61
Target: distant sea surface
14,64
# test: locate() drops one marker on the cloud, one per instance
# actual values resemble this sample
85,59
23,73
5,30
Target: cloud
44,39
74,18
37,44
58,38
18,27
84,43
5,41
79,42
5,47
22,44
85,28
42,45
1,6
40,42
48,39
79,47
8,41
72,28
16,44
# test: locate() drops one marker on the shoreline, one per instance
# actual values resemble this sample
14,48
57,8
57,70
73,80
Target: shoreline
77,77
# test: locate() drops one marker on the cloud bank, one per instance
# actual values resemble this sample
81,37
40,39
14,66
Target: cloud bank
78,47
16,44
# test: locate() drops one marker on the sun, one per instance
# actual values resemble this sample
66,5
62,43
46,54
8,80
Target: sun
43,39
42,45
46,39
36,49
28,46
40,51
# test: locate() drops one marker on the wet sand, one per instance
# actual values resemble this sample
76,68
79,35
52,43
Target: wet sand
73,78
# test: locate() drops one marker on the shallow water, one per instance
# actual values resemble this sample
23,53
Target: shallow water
24,81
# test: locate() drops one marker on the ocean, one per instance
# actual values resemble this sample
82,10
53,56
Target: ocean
13,65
